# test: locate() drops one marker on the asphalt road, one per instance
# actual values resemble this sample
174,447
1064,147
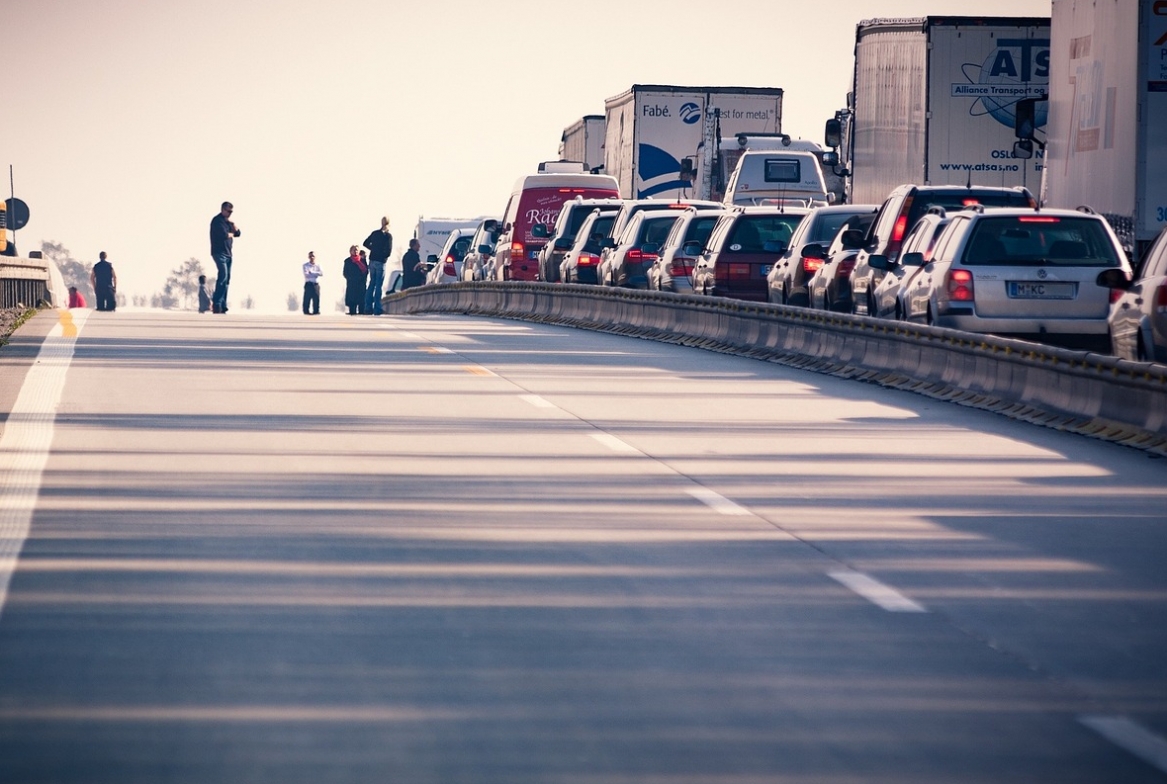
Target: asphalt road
440,549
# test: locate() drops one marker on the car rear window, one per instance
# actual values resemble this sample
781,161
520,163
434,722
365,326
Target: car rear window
751,232
828,225
1040,240
656,229
700,229
461,245
601,226
923,200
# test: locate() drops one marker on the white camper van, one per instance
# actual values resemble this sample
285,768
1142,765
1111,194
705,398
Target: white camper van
777,177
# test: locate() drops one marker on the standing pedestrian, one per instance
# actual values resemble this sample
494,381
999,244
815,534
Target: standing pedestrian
204,295
412,267
380,245
355,273
223,234
312,273
105,283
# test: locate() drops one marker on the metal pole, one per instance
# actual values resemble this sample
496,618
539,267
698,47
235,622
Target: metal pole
12,190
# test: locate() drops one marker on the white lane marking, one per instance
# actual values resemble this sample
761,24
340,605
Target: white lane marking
876,592
1131,736
613,443
28,437
718,502
537,401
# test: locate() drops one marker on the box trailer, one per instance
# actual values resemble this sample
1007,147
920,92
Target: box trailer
655,133
933,102
1107,142
583,141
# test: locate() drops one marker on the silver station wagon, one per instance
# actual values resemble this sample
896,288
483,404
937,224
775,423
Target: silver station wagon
1028,273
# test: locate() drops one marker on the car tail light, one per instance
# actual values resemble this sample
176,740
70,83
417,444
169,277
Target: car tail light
845,268
960,285
588,260
449,266
1038,219
737,271
517,250
637,255
681,267
811,266
1161,298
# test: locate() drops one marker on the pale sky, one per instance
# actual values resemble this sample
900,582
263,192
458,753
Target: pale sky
128,122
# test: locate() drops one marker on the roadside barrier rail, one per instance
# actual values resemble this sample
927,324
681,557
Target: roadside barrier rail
23,282
1082,392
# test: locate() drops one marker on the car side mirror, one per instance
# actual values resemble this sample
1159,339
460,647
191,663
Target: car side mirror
431,259
852,239
879,262
490,225
562,244
691,249
650,248
608,244
915,259
486,250
539,230
1114,278
774,246
814,251
830,158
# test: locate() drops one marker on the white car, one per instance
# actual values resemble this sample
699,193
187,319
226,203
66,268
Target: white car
446,267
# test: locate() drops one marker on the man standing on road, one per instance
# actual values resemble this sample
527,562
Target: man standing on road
412,267
223,232
312,273
105,283
380,245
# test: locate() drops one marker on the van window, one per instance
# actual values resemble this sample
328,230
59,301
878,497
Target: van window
1040,241
783,170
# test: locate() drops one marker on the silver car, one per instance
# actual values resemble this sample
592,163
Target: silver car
673,268
1024,273
1138,317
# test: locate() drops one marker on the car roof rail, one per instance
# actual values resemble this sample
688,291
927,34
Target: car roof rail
1086,209
936,209
977,208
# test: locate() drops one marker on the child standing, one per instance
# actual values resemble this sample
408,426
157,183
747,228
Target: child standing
204,295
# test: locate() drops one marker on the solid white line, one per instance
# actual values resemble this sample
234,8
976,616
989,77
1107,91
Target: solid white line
876,592
28,437
613,443
1131,736
718,502
537,401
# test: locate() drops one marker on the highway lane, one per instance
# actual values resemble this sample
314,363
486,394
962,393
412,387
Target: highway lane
445,549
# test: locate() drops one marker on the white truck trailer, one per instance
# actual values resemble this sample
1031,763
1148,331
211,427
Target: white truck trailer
1107,145
432,234
933,102
583,141
655,132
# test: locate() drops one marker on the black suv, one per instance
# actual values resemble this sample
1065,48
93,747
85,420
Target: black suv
906,205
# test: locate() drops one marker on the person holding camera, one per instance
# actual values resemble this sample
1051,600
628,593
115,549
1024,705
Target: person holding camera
223,233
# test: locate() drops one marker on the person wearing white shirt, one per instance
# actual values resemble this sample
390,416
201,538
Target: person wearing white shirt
312,273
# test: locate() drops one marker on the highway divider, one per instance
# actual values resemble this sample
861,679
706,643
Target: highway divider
1081,392
24,282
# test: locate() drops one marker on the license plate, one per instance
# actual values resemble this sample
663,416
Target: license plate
1027,290
766,269
533,255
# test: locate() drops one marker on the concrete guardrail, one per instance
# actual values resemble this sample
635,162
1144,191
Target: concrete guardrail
24,282
1081,392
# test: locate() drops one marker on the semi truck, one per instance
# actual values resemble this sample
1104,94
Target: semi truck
654,135
583,141
1107,142
933,102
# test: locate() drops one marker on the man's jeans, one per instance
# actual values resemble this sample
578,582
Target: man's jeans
376,283
219,298
311,298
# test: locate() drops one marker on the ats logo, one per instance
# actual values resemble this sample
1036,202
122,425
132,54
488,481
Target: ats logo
1019,68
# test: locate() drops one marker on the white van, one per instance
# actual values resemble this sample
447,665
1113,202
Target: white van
777,177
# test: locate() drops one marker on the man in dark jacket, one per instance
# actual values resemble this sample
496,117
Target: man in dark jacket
412,267
380,245
223,232
105,282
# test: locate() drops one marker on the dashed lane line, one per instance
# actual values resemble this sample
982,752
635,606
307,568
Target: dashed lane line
1130,736
538,402
719,503
615,444
876,592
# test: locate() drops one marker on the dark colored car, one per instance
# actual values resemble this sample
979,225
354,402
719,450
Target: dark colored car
830,286
788,280
636,250
742,249
581,261
899,213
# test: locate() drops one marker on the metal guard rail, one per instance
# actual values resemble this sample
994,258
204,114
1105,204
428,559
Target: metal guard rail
23,282
1081,392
